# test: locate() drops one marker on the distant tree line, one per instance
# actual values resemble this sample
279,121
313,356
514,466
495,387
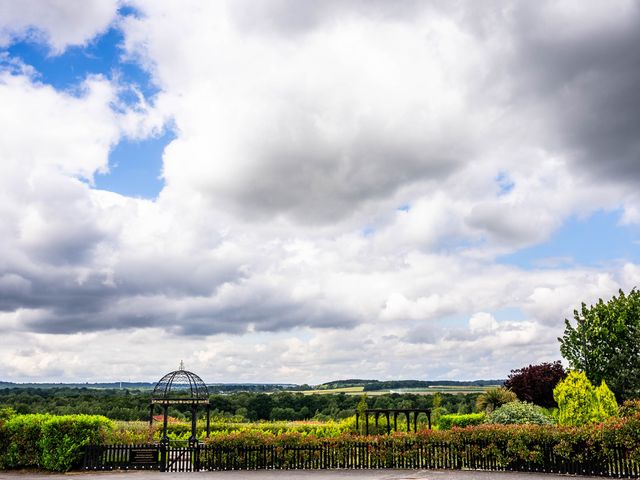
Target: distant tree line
123,404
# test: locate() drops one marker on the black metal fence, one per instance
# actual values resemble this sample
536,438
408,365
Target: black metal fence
353,455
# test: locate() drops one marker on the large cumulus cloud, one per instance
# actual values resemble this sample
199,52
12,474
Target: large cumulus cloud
342,179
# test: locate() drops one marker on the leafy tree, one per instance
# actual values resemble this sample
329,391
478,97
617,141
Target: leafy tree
606,401
630,408
605,343
535,383
6,413
580,403
494,398
519,413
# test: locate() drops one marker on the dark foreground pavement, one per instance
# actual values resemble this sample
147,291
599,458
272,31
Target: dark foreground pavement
291,475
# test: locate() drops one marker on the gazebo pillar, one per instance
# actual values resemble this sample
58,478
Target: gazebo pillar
208,419
151,414
194,410
165,414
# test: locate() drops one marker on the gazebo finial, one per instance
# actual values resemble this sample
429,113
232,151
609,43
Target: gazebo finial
181,365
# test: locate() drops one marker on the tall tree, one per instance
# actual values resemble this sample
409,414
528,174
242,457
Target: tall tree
535,383
605,343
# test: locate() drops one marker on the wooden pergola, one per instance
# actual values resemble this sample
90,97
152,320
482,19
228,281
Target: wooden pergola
388,412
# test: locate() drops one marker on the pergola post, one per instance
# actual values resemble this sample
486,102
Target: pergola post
395,421
151,414
388,423
415,421
408,421
357,421
366,422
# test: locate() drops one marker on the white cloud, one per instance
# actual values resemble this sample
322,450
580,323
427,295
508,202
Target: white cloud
59,23
332,203
482,322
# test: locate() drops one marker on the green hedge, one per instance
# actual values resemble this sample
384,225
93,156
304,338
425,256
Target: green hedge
509,445
447,422
55,443
50,442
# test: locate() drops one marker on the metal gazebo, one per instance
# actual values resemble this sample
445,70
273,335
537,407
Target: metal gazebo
180,387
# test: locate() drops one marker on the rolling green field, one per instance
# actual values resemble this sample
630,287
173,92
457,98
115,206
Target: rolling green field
359,390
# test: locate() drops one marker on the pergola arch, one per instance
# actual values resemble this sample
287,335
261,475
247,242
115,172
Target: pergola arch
387,412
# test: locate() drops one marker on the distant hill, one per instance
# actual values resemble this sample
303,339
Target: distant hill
374,385
353,382
368,385
100,385
213,387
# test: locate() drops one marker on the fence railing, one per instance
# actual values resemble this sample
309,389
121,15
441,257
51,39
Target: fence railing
355,455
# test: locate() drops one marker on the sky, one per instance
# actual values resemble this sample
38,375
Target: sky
292,191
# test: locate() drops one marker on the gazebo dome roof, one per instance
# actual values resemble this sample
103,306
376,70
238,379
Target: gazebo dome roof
180,385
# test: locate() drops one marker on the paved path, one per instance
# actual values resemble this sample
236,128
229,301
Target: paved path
290,475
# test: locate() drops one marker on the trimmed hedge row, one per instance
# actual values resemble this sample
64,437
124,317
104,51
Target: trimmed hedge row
509,443
56,443
51,442
447,422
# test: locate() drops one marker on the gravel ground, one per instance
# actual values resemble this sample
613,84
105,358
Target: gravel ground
289,475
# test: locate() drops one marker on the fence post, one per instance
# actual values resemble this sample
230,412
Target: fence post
163,457
196,457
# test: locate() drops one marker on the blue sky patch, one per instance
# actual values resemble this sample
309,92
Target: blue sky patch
135,167
593,241
102,56
505,184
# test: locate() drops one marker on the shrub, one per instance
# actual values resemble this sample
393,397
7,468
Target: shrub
48,441
20,436
134,432
64,437
535,383
580,403
519,413
446,422
494,398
